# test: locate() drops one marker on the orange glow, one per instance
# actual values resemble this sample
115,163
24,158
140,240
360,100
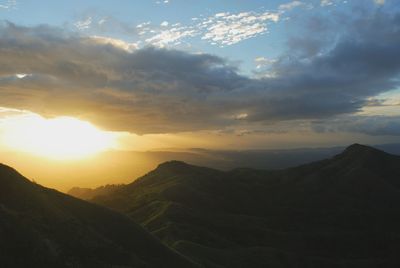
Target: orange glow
56,138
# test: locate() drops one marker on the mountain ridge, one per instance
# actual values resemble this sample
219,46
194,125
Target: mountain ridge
42,227
338,212
355,149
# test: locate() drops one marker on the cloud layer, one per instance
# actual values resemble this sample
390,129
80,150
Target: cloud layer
150,90
369,125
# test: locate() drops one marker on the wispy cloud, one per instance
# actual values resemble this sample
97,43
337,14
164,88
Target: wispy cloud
226,29
163,2
223,29
291,5
130,47
173,36
263,61
10,4
326,3
100,24
83,24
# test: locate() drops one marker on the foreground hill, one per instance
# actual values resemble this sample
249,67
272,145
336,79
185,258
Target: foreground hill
40,227
339,212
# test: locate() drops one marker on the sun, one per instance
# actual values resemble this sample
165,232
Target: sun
56,138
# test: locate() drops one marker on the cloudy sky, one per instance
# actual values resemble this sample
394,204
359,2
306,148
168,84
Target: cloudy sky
211,74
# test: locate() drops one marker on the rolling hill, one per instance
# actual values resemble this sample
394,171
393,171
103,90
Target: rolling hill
40,227
339,212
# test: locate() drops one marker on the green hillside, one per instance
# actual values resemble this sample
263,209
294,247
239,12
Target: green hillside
339,212
40,227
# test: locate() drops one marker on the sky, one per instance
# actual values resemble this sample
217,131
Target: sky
245,74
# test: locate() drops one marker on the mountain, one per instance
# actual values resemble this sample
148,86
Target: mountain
339,212
118,167
40,227
89,193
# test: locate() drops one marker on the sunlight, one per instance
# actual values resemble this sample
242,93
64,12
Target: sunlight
56,138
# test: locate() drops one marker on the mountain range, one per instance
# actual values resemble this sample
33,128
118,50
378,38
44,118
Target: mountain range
340,212
118,167
343,211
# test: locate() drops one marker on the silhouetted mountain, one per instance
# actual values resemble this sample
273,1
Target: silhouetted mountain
88,193
123,166
40,227
339,212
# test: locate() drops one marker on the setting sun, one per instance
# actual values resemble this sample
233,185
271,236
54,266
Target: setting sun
56,138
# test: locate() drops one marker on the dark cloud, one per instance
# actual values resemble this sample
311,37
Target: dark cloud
370,125
154,90
363,62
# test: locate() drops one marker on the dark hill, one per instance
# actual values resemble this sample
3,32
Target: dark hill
339,212
40,227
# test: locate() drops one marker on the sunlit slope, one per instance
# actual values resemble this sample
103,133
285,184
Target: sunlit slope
340,212
40,227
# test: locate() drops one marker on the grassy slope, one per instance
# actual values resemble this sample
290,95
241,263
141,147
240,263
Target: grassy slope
340,212
40,227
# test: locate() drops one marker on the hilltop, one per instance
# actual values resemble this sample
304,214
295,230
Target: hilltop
40,227
340,212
